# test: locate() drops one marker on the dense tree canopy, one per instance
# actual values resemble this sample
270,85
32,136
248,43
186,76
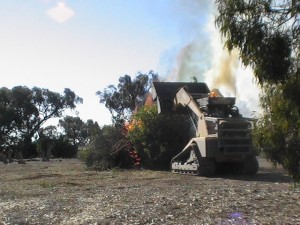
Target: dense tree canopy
267,33
52,143
74,129
78,132
8,117
277,130
122,100
24,111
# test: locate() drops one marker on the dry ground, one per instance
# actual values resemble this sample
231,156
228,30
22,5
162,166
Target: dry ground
63,192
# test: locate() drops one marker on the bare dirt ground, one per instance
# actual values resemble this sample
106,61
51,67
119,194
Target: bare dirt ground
63,192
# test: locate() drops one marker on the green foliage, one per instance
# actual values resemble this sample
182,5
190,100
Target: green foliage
76,133
97,154
8,118
75,129
268,36
277,132
60,146
24,111
158,137
63,149
96,158
122,100
262,33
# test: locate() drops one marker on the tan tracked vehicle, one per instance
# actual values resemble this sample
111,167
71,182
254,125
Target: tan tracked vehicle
221,135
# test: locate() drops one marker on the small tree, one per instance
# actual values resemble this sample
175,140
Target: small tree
26,110
123,99
75,130
63,149
96,155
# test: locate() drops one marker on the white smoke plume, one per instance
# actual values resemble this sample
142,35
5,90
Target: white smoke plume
202,55
194,47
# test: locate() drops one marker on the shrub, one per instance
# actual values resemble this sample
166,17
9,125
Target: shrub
97,154
63,149
158,137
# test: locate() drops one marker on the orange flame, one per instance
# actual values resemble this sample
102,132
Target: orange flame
129,126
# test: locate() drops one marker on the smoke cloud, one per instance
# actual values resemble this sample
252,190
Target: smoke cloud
191,57
202,55
225,72
187,62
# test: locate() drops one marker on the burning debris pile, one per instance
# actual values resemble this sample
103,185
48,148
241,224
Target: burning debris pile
124,153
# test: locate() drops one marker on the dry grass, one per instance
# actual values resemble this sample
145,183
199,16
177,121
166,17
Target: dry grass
63,192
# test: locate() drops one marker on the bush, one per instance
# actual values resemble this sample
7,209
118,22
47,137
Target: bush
157,137
277,131
63,149
97,154
31,151
95,159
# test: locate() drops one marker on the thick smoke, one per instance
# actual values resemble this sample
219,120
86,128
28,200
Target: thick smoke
224,72
187,62
202,55
191,58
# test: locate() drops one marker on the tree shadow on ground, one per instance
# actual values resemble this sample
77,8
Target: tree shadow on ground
272,175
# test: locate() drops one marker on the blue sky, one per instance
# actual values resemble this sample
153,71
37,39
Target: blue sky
86,45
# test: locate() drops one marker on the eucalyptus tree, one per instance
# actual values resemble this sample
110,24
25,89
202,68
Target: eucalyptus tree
25,110
40,105
8,118
78,132
123,99
267,34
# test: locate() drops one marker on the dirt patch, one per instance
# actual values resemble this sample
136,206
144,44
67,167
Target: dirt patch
63,192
